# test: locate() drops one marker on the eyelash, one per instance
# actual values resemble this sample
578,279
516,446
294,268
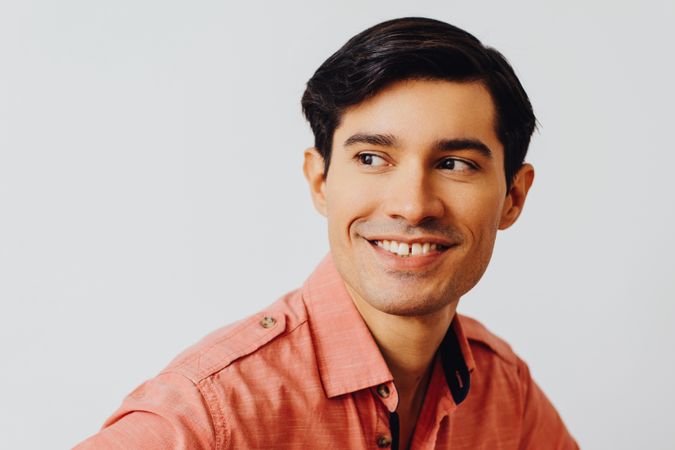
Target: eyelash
359,158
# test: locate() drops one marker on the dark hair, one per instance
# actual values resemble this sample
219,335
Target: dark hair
416,48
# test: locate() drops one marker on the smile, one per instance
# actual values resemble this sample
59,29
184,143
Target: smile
404,249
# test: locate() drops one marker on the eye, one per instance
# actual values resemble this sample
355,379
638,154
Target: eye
457,165
370,159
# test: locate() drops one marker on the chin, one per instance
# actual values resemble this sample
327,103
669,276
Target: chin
407,306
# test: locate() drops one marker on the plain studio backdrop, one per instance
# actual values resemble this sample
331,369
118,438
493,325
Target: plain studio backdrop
151,192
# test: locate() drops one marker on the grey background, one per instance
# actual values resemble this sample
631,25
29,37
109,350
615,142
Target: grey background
151,191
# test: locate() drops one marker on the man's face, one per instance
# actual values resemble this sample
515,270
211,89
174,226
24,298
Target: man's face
415,194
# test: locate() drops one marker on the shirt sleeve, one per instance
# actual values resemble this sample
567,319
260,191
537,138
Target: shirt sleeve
166,412
542,426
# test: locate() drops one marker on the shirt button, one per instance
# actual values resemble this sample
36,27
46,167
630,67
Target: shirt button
383,442
268,322
383,391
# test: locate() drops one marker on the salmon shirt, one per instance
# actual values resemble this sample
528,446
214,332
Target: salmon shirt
306,373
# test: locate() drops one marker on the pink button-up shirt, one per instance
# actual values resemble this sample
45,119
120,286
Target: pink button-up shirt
306,374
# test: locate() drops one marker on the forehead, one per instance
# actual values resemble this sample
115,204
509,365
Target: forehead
421,111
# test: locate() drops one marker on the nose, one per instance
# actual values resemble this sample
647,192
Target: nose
412,194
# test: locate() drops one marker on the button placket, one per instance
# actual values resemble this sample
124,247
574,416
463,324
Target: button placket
383,391
383,441
387,399
387,395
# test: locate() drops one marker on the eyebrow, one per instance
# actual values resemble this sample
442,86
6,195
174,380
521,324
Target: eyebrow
463,144
389,140
383,140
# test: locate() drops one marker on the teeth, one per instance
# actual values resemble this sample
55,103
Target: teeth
404,249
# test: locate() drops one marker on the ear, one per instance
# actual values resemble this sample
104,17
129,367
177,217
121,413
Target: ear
313,169
515,198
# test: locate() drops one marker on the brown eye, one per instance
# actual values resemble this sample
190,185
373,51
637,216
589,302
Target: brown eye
369,159
456,165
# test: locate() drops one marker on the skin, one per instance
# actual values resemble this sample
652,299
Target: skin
389,176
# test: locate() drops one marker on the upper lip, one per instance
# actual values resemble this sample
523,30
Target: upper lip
413,240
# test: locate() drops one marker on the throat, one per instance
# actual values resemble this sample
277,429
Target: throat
411,401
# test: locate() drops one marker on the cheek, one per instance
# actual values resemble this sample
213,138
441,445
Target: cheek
348,190
479,211
347,200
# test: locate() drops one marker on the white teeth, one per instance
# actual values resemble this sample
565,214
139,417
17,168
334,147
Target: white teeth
405,249
402,249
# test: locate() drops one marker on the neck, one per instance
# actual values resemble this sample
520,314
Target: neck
408,343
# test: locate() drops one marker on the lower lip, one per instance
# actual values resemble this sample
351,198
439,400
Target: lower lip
408,263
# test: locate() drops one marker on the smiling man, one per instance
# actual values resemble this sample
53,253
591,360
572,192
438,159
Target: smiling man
420,138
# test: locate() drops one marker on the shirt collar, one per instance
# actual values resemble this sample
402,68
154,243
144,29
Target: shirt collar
347,355
457,360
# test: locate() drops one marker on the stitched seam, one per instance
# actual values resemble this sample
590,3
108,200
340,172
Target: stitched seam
231,334
227,358
220,425
249,349
202,394
213,402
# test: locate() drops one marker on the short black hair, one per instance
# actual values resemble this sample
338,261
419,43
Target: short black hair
417,48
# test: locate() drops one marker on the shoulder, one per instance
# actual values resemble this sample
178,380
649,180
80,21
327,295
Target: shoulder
504,395
483,341
238,340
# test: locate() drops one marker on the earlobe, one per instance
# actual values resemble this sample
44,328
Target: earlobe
515,198
313,167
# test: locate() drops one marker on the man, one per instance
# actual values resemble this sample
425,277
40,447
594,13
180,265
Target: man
420,137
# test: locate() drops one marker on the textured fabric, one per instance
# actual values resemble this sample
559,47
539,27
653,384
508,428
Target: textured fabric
306,373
